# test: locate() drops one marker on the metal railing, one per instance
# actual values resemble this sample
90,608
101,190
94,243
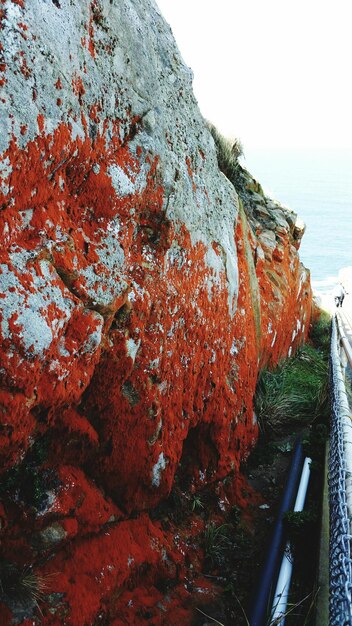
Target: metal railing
340,490
343,322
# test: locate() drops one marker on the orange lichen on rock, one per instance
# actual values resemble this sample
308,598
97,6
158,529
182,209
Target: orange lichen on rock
159,354
138,303
150,370
100,567
95,18
43,202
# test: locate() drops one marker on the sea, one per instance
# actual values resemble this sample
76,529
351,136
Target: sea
318,186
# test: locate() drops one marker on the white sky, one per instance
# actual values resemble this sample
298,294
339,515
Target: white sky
275,73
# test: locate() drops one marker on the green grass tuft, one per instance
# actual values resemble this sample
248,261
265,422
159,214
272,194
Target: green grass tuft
216,543
196,503
294,393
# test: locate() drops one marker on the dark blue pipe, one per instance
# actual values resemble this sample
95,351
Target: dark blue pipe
269,573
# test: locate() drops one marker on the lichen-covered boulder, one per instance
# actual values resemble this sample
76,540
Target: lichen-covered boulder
137,301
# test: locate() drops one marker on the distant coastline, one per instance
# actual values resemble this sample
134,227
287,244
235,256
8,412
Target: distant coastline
318,186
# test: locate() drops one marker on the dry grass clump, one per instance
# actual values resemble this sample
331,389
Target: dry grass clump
22,589
228,152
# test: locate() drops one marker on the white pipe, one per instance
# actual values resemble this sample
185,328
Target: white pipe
283,583
303,486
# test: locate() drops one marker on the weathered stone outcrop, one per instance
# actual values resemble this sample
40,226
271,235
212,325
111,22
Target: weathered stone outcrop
138,301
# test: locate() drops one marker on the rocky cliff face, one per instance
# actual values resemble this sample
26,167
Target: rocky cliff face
138,301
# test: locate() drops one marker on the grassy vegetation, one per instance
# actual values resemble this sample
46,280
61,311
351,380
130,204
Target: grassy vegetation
234,542
293,399
216,543
295,392
320,333
228,152
22,589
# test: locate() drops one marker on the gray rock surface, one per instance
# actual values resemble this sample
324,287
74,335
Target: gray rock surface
120,57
